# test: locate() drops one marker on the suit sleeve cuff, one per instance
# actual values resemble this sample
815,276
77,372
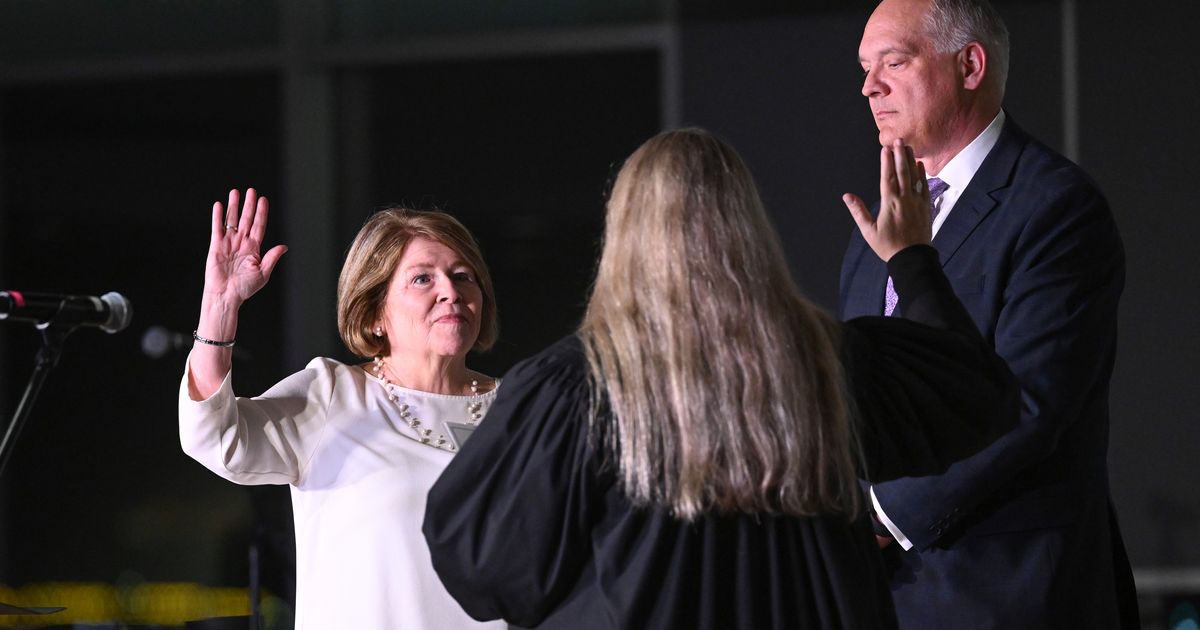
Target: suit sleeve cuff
905,543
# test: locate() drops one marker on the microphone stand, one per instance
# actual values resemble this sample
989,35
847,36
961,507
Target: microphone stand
47,358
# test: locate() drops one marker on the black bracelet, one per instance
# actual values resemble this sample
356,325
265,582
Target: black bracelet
211,342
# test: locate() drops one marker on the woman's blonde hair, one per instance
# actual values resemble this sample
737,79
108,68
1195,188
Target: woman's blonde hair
363,283
716,384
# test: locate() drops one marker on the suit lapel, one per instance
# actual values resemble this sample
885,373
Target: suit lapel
864,276
984,192
865,296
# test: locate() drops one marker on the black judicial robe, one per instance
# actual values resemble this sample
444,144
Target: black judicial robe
528,524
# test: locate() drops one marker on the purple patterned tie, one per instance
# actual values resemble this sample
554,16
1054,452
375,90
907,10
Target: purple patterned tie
936,188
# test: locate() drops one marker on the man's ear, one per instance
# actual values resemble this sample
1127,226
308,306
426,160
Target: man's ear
973,64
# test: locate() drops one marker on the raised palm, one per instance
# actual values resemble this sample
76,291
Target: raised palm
903,217
235,269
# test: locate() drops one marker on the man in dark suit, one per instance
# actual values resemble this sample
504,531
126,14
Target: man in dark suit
1021,534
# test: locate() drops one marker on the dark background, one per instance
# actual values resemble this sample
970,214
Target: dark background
122,121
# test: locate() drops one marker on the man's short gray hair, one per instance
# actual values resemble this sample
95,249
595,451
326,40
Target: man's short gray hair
952,24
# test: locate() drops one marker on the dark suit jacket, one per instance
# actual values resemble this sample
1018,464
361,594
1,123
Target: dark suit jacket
1021,534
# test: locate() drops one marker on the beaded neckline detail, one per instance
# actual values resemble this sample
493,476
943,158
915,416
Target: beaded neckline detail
423,433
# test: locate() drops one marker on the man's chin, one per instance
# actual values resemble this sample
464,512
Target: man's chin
887,137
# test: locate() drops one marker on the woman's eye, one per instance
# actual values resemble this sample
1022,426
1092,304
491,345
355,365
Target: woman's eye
421,278
464,276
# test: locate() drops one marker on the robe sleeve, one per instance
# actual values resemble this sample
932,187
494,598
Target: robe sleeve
507,523
928,389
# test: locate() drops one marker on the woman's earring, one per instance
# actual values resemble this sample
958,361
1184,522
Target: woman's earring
378,331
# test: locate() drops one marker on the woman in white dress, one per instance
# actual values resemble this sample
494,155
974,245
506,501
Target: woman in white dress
360,445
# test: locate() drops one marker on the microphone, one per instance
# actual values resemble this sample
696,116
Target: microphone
110,312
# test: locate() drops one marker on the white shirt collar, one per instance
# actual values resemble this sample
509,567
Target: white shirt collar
959,171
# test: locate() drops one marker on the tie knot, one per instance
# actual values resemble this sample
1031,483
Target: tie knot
936,188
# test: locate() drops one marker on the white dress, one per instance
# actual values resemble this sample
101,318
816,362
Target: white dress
359,476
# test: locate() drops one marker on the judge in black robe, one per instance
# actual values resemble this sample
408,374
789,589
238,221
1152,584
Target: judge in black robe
530,524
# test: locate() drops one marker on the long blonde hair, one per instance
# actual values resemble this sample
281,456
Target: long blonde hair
716,384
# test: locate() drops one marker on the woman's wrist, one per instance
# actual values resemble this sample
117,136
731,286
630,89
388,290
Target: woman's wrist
220,343
218,322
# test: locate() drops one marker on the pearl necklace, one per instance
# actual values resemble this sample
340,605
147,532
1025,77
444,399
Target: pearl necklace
474,409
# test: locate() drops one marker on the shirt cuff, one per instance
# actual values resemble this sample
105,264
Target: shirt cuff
905,543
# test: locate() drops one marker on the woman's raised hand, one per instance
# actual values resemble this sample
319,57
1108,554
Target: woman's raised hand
903,218
235,270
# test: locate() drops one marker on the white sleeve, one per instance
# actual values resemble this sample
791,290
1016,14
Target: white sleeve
264,440
905,543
